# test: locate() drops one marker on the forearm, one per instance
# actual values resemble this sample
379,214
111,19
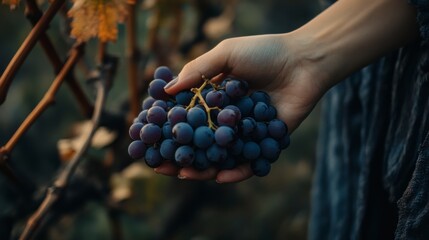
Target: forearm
353,33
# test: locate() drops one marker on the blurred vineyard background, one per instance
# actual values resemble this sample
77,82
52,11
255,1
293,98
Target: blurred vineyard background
130,201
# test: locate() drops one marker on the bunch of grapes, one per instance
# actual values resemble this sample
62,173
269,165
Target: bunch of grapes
212,125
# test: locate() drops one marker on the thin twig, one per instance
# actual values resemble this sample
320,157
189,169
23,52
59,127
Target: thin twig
46,101
59,187
26,47
34,14
132,52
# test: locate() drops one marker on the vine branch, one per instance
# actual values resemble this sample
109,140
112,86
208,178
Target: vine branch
26,47
59,187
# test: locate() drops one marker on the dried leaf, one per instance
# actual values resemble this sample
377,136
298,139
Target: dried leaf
12,3
97,18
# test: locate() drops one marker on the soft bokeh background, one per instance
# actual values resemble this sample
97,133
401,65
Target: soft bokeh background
149,206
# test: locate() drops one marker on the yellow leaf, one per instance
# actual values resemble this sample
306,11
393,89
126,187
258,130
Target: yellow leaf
12,3
97,18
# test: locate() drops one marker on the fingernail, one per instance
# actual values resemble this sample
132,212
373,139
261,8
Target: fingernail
155,170
170,84
219,181
181,177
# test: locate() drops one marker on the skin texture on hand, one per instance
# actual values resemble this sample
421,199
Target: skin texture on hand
297,68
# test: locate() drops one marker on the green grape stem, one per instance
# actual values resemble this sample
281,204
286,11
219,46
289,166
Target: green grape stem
197,95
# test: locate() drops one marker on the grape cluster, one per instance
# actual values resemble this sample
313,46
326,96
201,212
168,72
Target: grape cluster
212,125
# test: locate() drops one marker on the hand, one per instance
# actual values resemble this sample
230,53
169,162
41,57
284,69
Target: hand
267,62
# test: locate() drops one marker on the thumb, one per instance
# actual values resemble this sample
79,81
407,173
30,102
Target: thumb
208,65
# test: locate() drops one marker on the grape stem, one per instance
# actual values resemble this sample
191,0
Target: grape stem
197,92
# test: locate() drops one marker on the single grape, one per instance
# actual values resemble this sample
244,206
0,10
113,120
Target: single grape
156,89
260,167
150,133
270,149
236,88
227,117
134,130
170,104
260,96
167,130
260,111
246,126
176,115
142,117
160,103
163,73
153,157
184,97
284,141
224,136
156,115
277,129
236,111
251,150
184,156
168,149
147,103
203,137
245,104
260,132
201,162
216,153
136,149
182,133
196,117
215,98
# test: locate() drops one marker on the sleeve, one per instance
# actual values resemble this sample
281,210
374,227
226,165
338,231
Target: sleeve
422,17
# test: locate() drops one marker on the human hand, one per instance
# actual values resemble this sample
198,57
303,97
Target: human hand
267,62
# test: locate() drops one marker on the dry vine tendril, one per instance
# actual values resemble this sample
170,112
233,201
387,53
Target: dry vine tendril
210,125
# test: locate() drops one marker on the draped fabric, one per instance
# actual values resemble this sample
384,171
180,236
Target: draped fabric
372,169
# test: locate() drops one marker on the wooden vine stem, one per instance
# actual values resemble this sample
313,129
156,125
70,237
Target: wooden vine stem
47,100
26,47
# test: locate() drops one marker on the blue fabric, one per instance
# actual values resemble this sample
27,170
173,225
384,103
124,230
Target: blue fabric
372,168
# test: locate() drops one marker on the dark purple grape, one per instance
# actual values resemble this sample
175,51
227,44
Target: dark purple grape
224,136
156,89
216,153
260,132
201,162
153,157
183,133
163,73
167,130
170,104
134,130
236,88
147,103
160,103
184,97
270,149
284,141
236,111
168,149
245,104
136,149
142,117
251,150
246,126
260,96
277,129
184,156
196,117
216,98
227,117
260,167
150,133
203,137
260,111
176,115
156,115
